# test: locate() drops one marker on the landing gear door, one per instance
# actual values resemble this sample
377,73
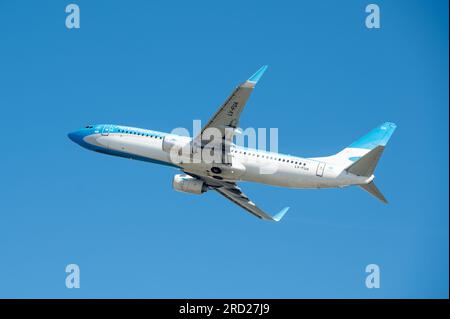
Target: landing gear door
106,129
320,169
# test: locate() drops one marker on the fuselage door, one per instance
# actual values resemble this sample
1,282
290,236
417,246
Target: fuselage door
320,169
106,130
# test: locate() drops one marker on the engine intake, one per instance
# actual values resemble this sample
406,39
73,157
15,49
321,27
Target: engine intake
188,184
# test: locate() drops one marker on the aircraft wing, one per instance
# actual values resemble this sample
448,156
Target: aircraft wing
233,192
226,119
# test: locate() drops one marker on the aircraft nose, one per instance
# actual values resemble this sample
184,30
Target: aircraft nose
76,136
71,135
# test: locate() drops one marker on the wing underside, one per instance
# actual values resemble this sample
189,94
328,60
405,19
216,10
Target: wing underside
232,192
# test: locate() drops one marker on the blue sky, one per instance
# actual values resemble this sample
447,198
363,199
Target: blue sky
161,64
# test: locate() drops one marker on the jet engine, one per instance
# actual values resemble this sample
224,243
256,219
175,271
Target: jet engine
188,184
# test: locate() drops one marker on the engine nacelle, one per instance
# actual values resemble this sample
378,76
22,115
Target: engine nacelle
188,184
175,142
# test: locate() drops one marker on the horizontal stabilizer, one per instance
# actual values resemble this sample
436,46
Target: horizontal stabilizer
365,166
373,190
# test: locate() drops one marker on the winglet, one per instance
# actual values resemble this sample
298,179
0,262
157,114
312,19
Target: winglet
280,215
255,77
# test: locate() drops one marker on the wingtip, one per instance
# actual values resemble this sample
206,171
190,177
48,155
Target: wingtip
281,214
390,124
258,74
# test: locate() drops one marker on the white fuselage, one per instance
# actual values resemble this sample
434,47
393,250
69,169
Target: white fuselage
247,164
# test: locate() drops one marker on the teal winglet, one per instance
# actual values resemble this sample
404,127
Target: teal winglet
255,77
280,215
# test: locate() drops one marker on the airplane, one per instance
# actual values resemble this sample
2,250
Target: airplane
354,165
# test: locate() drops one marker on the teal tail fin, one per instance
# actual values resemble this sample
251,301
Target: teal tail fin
379,136
363,155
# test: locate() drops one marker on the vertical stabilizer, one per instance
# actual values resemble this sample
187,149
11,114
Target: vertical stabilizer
379,136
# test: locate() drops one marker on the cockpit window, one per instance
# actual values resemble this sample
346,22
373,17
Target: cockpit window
89,126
